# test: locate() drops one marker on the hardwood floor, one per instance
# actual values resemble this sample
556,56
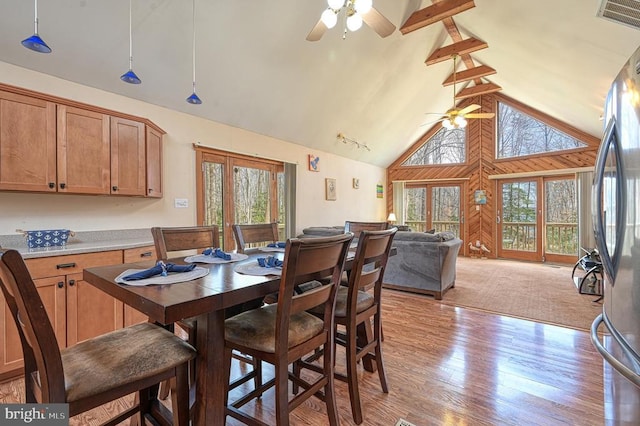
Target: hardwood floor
456,366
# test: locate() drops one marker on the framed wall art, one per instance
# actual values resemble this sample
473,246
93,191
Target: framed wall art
313,163
330,189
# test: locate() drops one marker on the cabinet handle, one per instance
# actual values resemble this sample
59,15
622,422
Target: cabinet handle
146,254
72,283
60,284
52,185
114,188
63,185
66,265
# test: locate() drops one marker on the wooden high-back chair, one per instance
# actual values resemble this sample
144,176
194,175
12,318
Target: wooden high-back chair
173,239
282,333
357,227
98,370
254,233
357,307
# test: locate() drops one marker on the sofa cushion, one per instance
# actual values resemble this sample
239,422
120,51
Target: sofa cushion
424,236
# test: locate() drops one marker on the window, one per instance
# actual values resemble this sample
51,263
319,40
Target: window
444,147
520,134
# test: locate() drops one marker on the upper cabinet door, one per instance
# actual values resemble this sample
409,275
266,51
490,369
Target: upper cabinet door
154,163
83,151
128,172
27,143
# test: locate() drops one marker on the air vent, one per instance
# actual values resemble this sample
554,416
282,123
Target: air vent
626,12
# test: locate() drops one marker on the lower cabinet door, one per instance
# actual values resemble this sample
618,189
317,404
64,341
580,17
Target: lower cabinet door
52,292
90,312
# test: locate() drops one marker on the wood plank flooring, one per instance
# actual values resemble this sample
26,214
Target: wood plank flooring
457,366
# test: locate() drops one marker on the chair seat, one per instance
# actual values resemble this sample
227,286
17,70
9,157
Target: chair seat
256,329
364,301
123,356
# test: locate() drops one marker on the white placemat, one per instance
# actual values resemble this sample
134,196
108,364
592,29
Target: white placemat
272,249
171,278
202,258
253,268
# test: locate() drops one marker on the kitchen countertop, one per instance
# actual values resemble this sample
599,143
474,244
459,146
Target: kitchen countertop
82,242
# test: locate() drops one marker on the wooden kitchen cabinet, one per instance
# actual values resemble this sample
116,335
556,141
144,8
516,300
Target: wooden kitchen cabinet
27,143
50,144
154,163
77,310
128,157
140,254
83,151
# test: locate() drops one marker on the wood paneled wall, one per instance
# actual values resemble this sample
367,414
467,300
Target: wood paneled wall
481,165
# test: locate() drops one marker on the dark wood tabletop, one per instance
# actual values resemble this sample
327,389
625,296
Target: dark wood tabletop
203,298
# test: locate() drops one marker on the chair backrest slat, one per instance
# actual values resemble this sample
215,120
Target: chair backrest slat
251,234
173,239
358,227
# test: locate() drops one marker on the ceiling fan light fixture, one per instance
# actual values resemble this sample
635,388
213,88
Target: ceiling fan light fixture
335,4
329,18
459,121
363,6
354,22
447,124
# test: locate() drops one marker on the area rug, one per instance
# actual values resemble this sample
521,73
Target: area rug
532,291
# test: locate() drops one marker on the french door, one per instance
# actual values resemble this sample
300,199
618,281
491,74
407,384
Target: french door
537,219
237,189
436,207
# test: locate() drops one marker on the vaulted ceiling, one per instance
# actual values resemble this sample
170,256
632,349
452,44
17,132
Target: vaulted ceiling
255,70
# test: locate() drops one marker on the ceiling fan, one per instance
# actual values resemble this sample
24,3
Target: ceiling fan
456,118
355,13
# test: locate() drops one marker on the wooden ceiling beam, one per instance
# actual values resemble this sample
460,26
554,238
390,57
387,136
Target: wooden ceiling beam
478,89
470,74
434,13
463,47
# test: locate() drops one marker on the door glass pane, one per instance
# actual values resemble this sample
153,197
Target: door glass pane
213,205
561,217
445,209
416,208
281,207
251,195
519,207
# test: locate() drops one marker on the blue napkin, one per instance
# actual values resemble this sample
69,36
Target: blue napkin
270,262
279,244
217,253
161,268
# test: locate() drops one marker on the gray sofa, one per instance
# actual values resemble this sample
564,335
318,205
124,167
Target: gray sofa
423,263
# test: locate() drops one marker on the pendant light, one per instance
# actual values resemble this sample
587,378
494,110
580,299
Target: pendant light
130,76
194,99
34,42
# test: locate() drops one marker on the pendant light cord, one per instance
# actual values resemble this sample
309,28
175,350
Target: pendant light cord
130,40
35,19
194,45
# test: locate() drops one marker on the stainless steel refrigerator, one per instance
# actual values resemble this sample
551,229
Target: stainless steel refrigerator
616,214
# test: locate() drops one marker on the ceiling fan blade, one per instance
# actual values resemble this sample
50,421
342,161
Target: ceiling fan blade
468,109
480,115
317,32
433,122
378,23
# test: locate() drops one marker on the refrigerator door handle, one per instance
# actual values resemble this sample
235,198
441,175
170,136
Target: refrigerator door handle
625,371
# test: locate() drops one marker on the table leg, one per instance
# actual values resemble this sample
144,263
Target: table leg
209,404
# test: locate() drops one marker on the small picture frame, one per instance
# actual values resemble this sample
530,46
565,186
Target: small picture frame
314,161
480,196
330,189
356,183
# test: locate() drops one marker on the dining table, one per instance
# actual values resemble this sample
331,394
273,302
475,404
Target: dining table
204,299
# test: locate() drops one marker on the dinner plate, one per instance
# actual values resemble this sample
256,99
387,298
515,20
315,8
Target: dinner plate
202,258
171,278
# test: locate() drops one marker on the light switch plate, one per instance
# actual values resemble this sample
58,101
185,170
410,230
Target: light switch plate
181,203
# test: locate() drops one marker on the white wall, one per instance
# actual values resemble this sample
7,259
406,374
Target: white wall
88,213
